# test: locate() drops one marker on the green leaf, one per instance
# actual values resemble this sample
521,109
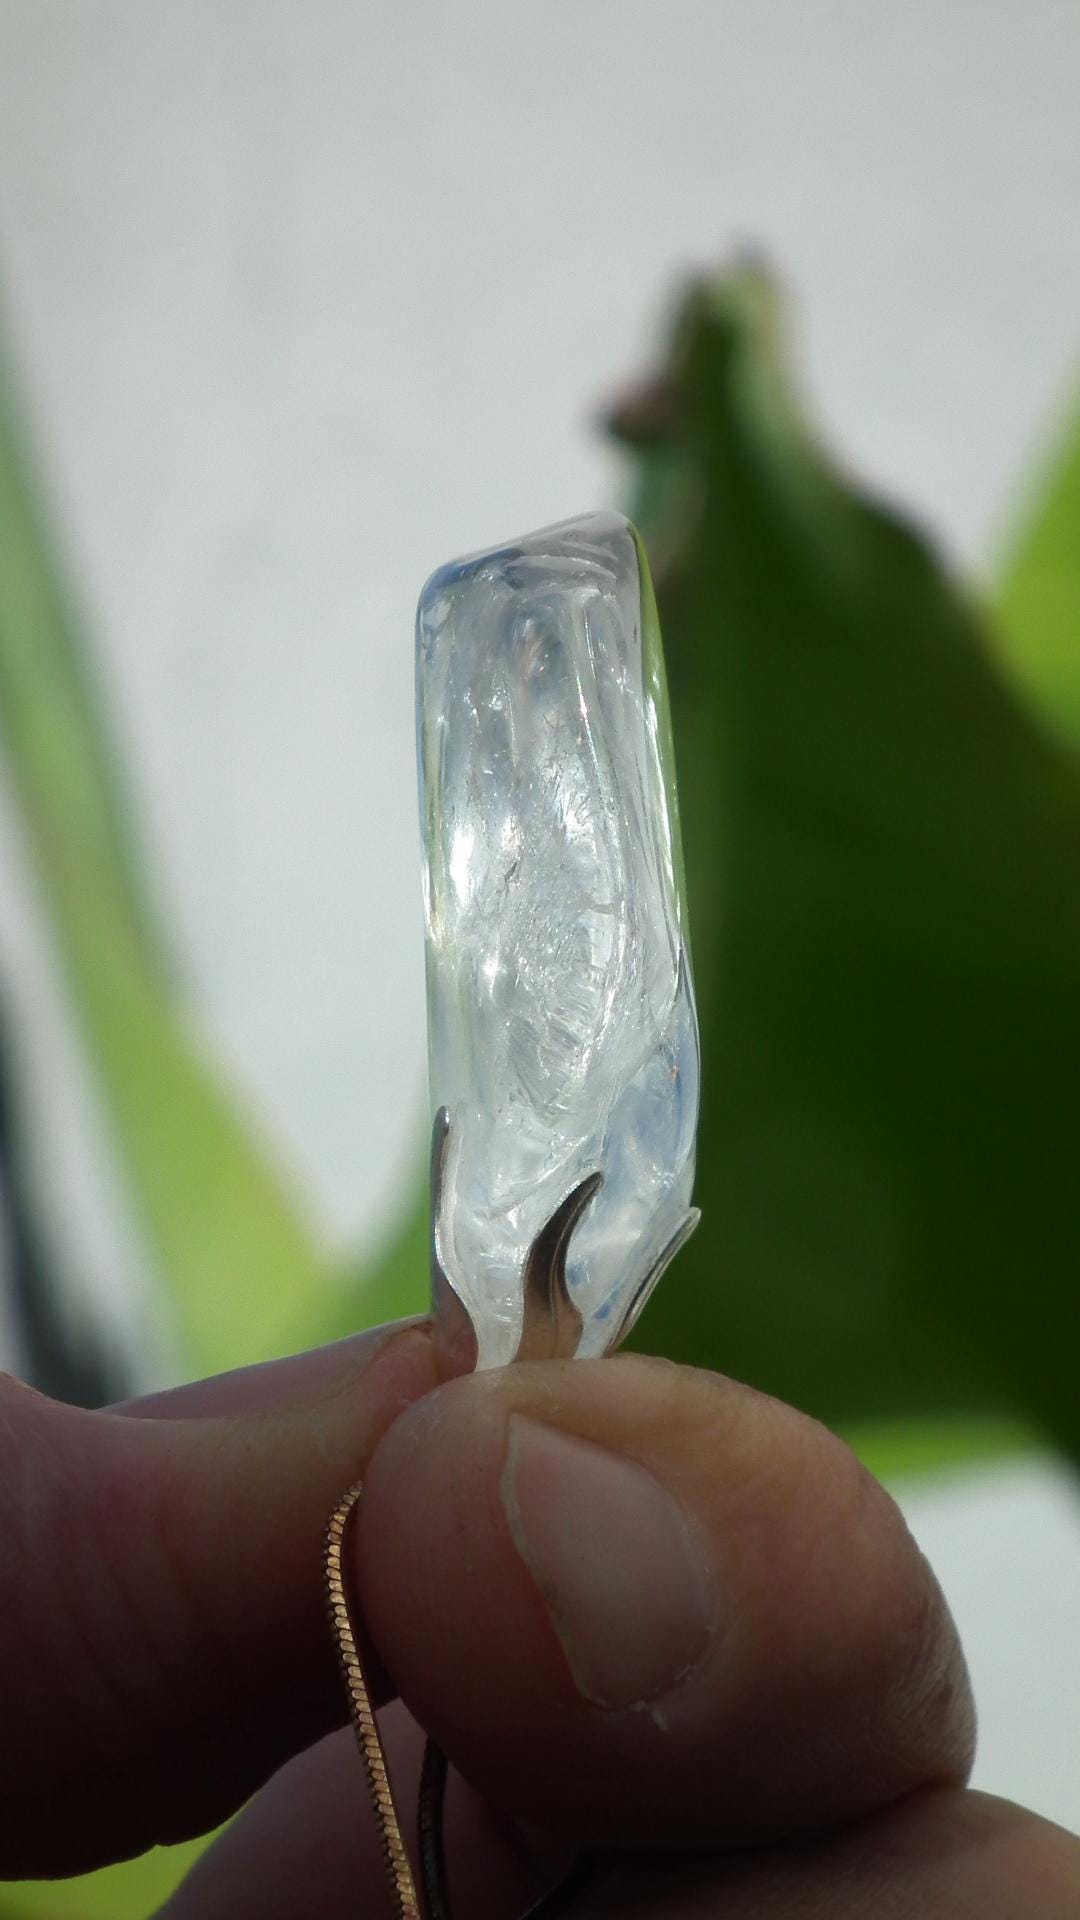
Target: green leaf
882,849
397,1283
902,1450
242,1269
1038,623
133,1890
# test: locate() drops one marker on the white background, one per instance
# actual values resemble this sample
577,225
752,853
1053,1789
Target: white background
307,298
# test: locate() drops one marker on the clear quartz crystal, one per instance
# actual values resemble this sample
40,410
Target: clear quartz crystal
562,1030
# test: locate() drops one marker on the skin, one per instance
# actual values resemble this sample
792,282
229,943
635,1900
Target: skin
719,1663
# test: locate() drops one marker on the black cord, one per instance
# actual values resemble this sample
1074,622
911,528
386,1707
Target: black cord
556,1901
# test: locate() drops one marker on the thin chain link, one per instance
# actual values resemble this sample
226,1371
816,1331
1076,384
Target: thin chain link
362,1715
435,1904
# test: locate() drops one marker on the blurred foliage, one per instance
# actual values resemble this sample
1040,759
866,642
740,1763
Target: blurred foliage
881,819
1038,623
63,1349
206,1198
882,845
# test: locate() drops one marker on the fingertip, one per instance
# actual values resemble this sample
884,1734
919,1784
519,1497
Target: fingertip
299,1379
644,1604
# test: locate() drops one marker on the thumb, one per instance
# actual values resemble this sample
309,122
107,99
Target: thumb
640,1605
163,1642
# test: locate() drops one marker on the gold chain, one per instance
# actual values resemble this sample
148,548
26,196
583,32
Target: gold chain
435,1904
362,1715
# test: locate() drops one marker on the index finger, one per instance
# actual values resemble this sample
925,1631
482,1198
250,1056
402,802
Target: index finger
163,1640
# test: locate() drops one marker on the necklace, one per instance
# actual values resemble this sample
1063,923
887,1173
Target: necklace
562,1031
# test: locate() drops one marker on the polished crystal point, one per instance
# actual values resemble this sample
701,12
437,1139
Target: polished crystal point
562,1031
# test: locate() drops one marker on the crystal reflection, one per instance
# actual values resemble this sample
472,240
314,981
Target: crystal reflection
562,1028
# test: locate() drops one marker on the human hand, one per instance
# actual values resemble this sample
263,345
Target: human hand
646,1611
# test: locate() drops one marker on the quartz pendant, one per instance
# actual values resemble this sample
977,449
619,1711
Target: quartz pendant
562,1032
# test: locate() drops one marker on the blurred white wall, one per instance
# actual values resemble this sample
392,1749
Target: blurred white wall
309,297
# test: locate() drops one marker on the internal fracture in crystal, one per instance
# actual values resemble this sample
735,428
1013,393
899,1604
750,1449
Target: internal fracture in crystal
562,1030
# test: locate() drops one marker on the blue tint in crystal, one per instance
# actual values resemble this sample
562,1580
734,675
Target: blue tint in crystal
562,1029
